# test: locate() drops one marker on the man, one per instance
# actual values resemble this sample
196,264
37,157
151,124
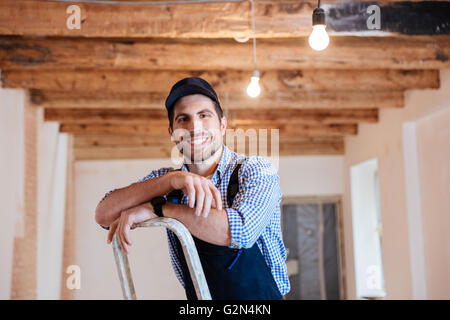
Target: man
238,240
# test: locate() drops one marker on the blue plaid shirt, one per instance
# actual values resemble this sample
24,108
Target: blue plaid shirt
254,215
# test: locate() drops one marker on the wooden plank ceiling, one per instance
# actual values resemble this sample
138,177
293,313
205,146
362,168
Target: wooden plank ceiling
106,83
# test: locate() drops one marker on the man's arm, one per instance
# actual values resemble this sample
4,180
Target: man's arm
256,202
109,209
201,192
214,228
238,227
253,207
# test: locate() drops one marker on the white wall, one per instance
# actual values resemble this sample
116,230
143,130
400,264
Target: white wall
149,257
11,184
384,141
311,175
52,163
367,248
154,278
433,135
51,194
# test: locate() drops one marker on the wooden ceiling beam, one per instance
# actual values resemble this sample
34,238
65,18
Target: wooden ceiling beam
309,130
274,100
282,54
395,17
110,152
235,117
116,153
214,20
117,140
285,18
231,81
130,153
322,116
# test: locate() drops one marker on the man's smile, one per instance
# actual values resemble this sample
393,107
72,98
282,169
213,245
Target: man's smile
198,142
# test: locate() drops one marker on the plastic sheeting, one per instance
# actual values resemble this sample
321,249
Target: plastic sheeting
310,235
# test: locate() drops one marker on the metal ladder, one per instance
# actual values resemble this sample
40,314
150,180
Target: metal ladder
189,250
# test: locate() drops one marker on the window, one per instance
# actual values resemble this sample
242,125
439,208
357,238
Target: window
367,230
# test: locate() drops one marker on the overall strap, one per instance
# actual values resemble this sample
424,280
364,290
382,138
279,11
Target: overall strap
175,196
233,185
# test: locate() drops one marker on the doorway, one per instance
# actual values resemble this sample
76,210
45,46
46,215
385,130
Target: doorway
312,236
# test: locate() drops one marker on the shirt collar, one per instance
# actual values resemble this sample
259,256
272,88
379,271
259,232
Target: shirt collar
224,159
226,155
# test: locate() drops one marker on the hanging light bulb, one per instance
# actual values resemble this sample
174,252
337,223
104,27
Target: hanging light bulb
253,89
318,39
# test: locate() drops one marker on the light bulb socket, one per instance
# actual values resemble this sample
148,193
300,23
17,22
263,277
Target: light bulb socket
256,73
318,16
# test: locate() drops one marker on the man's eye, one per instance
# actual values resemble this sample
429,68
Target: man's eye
204,115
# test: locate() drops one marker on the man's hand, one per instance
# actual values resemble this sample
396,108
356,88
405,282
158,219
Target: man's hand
201,192
128,218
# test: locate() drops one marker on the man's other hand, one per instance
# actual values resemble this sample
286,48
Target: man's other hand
127,221
201,192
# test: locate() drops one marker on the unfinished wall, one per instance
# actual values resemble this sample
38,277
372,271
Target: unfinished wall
52,161
23,275
68,254
433,134
384,141
12,175
32,167
311,175
149,257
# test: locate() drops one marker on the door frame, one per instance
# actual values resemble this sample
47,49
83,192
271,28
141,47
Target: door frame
343,293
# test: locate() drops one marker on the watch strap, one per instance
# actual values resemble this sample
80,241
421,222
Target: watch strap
157,204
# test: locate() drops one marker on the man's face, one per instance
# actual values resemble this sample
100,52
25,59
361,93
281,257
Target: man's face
196,128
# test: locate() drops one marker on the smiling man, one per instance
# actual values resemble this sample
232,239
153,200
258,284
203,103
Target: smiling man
229,202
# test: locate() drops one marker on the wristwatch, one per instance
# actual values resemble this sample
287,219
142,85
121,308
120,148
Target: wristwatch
157,203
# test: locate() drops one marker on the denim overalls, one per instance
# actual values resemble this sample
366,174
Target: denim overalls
234,274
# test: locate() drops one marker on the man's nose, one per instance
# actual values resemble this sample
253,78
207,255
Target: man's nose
195,125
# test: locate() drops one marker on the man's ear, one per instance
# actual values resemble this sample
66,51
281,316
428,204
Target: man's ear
170,131
223,125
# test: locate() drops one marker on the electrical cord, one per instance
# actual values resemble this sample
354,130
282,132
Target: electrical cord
118,2
253,33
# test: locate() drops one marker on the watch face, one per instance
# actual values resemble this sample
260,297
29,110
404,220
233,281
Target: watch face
159,201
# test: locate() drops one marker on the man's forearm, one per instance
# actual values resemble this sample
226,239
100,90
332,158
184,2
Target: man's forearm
110,208
214,229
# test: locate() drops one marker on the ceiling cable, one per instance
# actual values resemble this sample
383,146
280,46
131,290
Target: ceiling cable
254,89
118,2
253,34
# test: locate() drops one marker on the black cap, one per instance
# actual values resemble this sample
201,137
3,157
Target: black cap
189,86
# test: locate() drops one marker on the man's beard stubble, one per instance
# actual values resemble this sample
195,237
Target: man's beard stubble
187,153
